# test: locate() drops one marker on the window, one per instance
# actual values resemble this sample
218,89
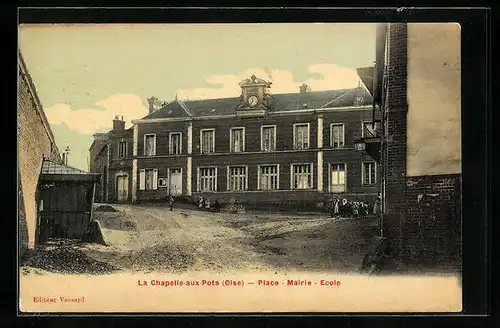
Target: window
302,176
268,177
150,144
337,135
207,141
369,173
301,136
122,149
337,177
207,179
370,130
237,178
175,143
148,179
358,101
268,138
237,140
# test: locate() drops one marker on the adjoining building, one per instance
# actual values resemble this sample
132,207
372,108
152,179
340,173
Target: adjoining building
259,148
416,85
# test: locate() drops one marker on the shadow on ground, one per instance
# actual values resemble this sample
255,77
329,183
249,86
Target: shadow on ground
309,244
63,256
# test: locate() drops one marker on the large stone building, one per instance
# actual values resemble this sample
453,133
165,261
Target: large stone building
418,89
258,148
35,142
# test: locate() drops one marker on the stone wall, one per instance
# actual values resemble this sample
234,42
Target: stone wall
35,140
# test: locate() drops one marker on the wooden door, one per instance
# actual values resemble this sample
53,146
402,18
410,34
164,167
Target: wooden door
175,182
122,187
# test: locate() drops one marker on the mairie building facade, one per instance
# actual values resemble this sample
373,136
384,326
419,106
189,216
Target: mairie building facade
258,148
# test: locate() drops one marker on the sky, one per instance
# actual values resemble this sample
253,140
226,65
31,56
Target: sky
86,74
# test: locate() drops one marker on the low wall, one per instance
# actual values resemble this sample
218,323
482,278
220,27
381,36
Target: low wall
433,224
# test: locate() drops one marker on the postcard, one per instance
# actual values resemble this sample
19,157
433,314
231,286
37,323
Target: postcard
274,167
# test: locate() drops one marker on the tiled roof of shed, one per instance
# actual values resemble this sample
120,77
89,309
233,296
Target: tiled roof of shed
279,102
50,167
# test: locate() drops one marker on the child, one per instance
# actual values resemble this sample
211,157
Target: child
336,209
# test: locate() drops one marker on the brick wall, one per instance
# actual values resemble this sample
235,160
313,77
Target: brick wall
352,120
115,138
283,199
23,225
432,229
394,152
34,142
162,164
162,131
423,230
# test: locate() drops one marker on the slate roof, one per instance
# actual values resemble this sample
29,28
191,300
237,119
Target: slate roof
279,102
173,109
366,75
100,140
51,167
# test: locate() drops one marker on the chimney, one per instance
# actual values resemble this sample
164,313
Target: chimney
152,101
118,125
303,88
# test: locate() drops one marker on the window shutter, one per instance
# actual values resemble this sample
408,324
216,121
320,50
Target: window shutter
154,146
155,179
142,180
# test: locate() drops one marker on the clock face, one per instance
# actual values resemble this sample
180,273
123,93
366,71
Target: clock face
252,100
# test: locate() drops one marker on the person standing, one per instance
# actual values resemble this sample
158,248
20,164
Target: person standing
332,208
171,203
336,209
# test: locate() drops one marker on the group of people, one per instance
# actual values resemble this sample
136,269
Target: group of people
204,204
345,209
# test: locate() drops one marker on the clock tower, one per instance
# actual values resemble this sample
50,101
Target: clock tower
254,99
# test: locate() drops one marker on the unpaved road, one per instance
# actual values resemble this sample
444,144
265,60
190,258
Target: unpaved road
151,238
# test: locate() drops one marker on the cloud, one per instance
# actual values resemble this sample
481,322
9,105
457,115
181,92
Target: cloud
90,120
333,77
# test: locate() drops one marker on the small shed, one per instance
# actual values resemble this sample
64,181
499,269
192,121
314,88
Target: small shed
65,197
